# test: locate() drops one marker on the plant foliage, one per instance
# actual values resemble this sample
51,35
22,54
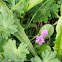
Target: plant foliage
22,6
47,56
47,7
7,25
60,2
58,41
11,25
14,14
48,27
42,48
12,52
7,21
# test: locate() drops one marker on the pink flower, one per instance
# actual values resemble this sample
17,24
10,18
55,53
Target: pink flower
40,40
44,33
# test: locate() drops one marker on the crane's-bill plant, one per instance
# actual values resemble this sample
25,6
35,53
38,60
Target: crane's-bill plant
14,53
12,18
47,7
47,56
8,27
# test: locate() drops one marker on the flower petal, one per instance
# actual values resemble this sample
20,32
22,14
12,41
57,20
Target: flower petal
43,40
36,41
44,33
37,37
41,37
40,43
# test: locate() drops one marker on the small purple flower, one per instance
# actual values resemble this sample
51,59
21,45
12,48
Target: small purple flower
40,40
44,33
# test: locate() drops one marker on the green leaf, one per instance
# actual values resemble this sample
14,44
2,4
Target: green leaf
2,43
58,41
11,2
18,6
60,2
12,52
7,25
47,56
44,11
33,3
21,35
7,21
49,28
42,48
36,59
4,8
1,56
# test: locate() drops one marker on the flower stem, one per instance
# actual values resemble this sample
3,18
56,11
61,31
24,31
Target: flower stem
61,10
34,37
55,23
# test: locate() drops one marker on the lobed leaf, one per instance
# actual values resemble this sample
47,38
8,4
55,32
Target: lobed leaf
36,59
22,6
14,53
7,21
60,2
47,7
18,6
47,56
12,26
7,25
42,48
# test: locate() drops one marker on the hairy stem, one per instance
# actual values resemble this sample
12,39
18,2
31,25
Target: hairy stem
55,23
34,37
